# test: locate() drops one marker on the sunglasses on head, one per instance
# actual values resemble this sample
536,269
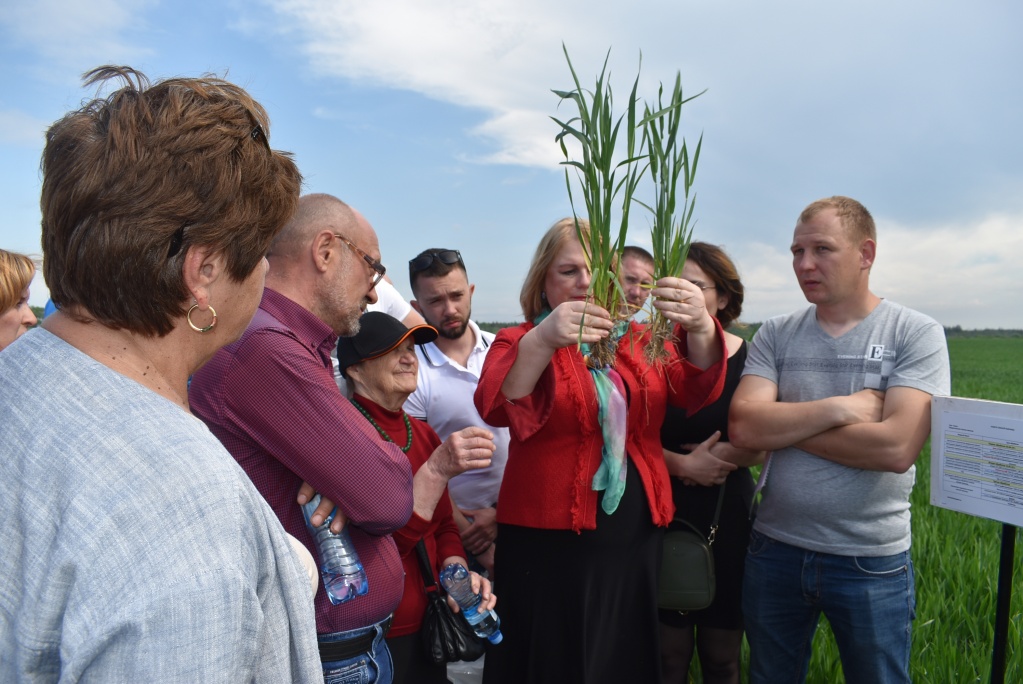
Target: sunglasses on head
424,261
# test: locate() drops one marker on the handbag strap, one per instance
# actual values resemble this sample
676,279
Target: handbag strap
424,567
717,515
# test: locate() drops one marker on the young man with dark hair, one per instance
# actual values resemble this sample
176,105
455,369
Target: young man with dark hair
449,370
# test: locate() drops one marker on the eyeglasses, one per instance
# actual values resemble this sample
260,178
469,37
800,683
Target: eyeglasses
258,133
700,285
445,256
378,268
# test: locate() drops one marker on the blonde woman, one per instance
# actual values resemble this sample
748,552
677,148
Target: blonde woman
586,493
16,317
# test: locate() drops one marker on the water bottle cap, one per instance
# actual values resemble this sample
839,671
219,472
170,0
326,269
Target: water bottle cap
496,637
455,570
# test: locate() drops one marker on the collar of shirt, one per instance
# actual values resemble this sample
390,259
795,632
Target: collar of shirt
437,358
306,326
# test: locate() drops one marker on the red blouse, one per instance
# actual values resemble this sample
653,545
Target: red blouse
555,437
440,534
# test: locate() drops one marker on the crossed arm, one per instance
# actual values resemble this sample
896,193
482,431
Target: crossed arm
868,429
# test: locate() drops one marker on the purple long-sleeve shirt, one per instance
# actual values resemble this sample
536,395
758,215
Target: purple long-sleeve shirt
271,399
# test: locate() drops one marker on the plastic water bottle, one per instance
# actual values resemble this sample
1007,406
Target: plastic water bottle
343,575
458,584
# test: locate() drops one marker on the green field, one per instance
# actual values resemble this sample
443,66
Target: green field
956,555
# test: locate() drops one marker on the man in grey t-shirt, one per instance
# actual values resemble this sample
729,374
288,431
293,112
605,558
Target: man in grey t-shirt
840,393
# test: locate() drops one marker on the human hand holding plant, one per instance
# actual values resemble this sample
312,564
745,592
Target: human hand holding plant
679,301
574,322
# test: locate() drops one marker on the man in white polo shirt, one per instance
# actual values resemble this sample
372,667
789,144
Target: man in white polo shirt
449,370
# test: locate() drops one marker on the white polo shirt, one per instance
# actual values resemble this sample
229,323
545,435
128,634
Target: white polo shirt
443,398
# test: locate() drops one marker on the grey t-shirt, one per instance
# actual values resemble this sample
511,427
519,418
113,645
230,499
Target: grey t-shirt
817,504
132,546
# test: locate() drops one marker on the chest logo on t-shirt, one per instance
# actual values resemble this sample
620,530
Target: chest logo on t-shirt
878,365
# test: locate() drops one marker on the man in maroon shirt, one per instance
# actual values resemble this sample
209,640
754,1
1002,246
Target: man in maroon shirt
271,399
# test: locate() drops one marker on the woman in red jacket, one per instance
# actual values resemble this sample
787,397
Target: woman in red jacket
584,498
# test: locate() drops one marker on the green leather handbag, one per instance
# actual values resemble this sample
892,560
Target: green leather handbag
687,580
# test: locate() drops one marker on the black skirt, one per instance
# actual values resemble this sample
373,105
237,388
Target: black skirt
579,607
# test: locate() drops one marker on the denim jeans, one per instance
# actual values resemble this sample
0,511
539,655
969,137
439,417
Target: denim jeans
373,667
868,600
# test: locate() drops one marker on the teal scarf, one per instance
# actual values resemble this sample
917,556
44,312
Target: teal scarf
611,414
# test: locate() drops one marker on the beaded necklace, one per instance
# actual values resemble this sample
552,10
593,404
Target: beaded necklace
408,426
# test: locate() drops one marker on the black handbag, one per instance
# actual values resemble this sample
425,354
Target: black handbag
687,581
446,637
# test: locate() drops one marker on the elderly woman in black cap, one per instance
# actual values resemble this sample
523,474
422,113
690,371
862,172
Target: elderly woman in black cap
380,365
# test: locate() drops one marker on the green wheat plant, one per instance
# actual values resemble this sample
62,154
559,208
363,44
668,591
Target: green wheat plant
607,181
671,170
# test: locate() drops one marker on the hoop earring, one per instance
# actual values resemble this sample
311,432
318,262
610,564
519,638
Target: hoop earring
193,326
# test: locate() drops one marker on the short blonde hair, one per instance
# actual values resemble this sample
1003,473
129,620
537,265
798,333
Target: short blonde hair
857,221
16,273
532,296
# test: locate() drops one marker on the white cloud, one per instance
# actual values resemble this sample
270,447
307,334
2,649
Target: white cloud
500,58
964,274
71,32
530,150
900,81
960,274
906,108
19,128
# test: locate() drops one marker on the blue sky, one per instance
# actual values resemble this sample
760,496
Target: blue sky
432,118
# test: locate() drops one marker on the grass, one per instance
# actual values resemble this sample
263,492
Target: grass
956,555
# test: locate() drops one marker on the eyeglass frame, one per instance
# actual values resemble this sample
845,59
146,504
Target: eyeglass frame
435,256
703,287
378,268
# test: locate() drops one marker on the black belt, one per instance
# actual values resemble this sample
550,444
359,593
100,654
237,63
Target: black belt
333,651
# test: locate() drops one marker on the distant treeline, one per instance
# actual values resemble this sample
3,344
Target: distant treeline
747,330
957,331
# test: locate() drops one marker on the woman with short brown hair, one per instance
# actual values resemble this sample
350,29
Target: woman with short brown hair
134,547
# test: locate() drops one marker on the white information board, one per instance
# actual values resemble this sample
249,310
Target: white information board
977,458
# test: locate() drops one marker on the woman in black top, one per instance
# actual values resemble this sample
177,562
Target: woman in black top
700,459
